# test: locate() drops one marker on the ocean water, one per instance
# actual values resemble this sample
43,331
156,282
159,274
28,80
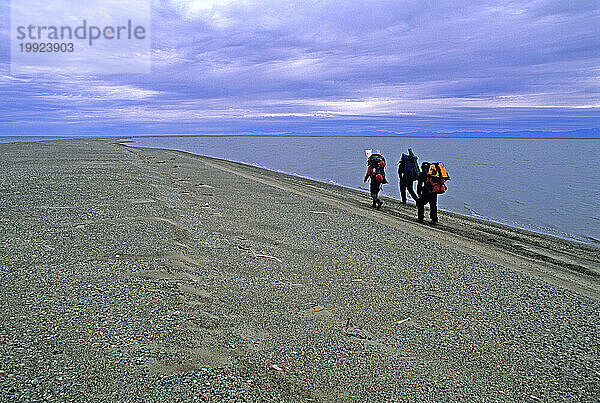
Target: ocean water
550,186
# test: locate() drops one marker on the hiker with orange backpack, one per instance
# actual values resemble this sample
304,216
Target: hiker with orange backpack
432,182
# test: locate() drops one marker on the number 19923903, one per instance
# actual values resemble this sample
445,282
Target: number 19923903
47,47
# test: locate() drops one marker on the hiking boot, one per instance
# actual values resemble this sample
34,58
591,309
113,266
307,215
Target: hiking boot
379,203
374,204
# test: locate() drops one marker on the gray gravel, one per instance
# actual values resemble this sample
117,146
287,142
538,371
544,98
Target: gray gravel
148,275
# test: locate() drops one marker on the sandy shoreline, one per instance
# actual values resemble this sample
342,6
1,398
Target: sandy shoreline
161,275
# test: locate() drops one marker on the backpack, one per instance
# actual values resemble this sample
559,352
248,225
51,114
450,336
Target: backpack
411,167
375,160
376,169
437,185
438,170
437,177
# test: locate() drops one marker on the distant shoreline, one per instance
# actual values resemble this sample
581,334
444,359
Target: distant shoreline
436,136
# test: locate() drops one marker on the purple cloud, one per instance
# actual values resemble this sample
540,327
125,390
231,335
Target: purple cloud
241,66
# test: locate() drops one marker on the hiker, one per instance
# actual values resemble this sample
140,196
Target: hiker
376,173
431,183
408,172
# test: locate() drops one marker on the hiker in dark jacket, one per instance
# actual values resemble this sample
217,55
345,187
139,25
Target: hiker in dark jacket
426,195
406,182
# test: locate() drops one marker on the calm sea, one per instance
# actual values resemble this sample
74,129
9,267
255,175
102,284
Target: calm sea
545,185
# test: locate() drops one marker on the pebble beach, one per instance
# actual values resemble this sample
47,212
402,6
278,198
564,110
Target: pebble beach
134,274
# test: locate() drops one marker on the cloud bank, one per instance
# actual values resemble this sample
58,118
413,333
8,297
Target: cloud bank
332,67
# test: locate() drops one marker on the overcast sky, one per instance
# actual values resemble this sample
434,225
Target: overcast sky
330,67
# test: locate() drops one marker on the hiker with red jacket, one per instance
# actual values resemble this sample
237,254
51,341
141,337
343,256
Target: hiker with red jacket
430,184
376,173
